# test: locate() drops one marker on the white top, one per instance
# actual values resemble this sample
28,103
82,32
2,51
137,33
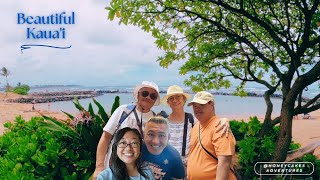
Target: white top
130,121
176,138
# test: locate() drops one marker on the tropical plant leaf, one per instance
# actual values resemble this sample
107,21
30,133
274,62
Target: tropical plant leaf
97,127
77,104
91,111
87,136
116,104
69,115
101,111
55,125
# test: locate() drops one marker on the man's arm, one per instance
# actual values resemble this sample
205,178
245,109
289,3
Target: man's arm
223,167
101,152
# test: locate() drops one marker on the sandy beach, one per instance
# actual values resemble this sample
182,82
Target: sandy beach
304,131
9,111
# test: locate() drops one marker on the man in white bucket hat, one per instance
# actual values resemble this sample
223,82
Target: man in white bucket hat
180,122
146,96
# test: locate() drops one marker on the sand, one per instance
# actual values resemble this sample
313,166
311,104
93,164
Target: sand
304,131
9,111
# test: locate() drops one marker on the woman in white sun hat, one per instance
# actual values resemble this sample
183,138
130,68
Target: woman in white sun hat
181,122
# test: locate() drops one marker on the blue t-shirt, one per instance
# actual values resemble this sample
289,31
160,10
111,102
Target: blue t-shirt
107,174
167,165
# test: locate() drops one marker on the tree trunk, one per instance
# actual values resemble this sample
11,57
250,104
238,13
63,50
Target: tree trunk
285,134
266,126
309,149
7,87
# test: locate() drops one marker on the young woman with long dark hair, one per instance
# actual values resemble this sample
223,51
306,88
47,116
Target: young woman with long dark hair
125,161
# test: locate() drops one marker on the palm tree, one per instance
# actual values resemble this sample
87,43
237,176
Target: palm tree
5,72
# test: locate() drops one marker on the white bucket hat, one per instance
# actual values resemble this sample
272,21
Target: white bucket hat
147,84
174,90
202,97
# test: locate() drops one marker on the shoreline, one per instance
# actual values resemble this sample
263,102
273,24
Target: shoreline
68,95
304,131
47,97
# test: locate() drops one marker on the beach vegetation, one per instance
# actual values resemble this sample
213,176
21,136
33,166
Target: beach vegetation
252,148
315,162
86,126
21,89
5,72
273,44
47,148
30,151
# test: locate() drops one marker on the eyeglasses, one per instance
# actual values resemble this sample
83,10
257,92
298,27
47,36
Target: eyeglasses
125,144
152,96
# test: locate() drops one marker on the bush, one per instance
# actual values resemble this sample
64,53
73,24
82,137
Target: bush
235,126
253,149
23,89
315,162
30,151
46,148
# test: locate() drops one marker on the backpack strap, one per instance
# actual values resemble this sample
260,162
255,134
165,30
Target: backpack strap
139,122
184,140
187,118
124,115
191,120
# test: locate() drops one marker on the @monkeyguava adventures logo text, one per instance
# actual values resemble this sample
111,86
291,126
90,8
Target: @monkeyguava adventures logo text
49,27
284,168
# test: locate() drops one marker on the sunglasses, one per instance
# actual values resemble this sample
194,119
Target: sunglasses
152,96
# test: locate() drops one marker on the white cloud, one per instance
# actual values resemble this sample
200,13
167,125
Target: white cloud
102,52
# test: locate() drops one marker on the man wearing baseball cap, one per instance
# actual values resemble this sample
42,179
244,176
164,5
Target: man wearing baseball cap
146,96
210,154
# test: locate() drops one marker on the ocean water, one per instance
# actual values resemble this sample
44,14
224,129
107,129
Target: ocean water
226,106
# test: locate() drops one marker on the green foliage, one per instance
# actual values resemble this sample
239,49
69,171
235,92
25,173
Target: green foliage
270,43
46,148
253,149
29,151
86,126
235,126
248,40
315,162
116,104
294,146
22,89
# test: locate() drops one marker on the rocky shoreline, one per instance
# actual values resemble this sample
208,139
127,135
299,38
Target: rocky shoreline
46,97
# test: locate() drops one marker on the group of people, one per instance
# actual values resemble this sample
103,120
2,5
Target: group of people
138,144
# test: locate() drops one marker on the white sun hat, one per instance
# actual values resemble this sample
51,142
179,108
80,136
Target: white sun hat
202,97
147,84
174,90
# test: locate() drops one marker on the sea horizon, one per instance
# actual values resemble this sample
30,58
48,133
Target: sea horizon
226,105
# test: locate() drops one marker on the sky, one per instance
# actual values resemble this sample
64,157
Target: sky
102,53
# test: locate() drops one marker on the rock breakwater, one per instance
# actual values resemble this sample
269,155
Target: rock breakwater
46,97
